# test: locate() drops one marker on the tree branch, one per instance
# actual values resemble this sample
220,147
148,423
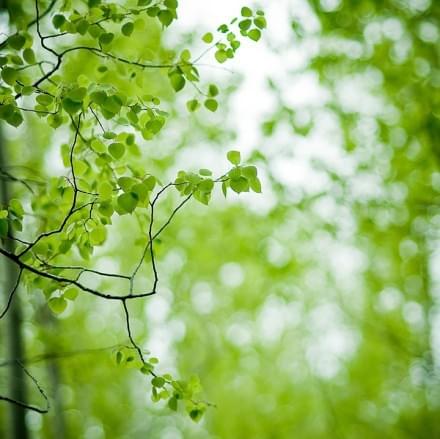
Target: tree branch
11,294
23,404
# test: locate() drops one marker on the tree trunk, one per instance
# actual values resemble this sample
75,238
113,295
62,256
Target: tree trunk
15,346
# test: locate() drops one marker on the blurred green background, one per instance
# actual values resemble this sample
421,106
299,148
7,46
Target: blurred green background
310,311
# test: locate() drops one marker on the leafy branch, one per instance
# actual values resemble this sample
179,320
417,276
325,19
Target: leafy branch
94,190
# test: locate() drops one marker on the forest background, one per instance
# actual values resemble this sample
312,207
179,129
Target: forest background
310,310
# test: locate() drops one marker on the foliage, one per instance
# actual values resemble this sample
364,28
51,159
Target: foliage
57,226
309,311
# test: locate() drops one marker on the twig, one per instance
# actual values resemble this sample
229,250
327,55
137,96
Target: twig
23,404
11,294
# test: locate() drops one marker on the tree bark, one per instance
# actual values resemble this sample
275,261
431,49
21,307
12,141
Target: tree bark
15,345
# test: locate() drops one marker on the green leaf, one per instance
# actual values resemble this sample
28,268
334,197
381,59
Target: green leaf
205,172
249,171
260,22
245,24
231,36
27,90
246,12
254,34
126,183
44,99
255,185
165,17
158,381
211,104
225,188
150,182
15,59
119,357
141,190
16,41
77,94
15,118
128,201
65,246
55,120
153,11
177,81
234,172
146,368
29,56
98,235
212,90
95,31
57,304
239,185
185,56
98,97
203,197
16,208
208,38
155,125
58,20
172,403
9,75
223,28
98,146
192,105
106,209
171,4
117,150
82,26
71,293
71,106
105,189
109,135
112,104
234,157
196,414
132,117
154,396
206,185
127,29
221,56
106,38
235,45
4,227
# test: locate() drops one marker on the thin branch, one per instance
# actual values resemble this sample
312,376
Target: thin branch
82,270
97,118
150,235
75,195
67,281
144,253
29,406
11,294
130,336
60,355
11,177
47,11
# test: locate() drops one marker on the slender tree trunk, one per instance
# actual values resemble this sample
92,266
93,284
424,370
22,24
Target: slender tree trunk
47,321
59,425
15,347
